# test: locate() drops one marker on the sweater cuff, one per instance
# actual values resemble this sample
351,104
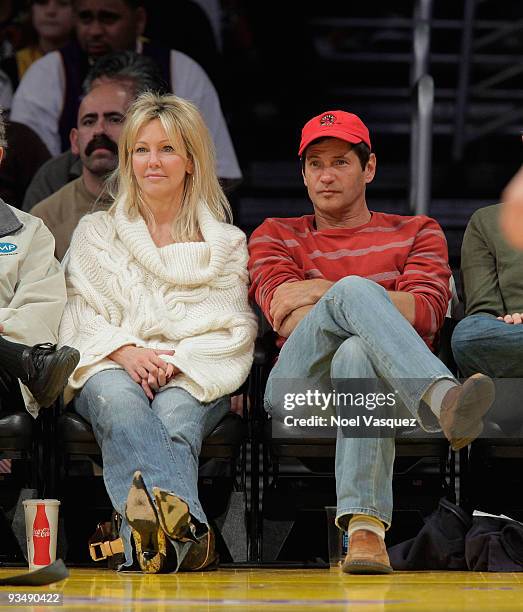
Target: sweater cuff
423,323
98,348
210,379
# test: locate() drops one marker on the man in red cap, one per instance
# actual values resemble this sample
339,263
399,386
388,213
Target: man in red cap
356,295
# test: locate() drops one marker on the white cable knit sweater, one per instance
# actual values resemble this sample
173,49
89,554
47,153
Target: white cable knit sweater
190,297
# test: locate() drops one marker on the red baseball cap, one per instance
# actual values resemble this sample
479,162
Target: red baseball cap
336,124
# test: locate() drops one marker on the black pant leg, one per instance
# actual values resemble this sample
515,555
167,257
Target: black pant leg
11,399
11,358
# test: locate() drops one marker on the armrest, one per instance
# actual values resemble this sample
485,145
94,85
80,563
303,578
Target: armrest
265,349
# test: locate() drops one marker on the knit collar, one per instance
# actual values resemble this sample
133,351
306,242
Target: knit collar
183,263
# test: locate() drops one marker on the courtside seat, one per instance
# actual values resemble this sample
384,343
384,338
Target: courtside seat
222,473
19,439
75,437
226,438
413,446
16,432
492,466
501,440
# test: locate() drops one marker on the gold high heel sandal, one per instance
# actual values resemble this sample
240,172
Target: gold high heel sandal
154,551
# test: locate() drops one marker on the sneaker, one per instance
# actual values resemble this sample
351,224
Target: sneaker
154,552
48,370
463,409
366,554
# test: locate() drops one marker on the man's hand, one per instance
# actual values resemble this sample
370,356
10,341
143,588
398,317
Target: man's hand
290,296
405,303
290,323
145,366
513,319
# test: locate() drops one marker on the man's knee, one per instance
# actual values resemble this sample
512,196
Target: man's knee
469,331
350,353
356,288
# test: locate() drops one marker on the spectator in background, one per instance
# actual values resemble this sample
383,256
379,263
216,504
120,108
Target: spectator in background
128,68
167,24
51,26
10,39
52,23
6,91
95,141
48,102
32,298
25,156
11,31
214,12
490,337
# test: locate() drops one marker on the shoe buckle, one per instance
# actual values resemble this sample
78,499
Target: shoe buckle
96,551
101,550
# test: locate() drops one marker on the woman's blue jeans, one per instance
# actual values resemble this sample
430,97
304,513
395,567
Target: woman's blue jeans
161,438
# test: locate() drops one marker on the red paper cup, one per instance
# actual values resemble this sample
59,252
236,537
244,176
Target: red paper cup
41,530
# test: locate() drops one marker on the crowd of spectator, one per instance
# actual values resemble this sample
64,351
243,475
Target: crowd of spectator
109,173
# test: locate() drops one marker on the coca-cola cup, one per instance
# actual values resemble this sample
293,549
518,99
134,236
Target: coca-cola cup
41,528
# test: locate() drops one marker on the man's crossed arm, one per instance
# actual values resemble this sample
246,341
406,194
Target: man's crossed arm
293,300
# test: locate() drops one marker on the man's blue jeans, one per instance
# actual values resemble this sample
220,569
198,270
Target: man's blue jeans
161,438
355,331
481,343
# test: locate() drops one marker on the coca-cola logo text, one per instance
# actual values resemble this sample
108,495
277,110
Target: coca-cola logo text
45,532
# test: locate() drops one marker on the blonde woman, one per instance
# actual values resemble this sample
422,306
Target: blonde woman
157,306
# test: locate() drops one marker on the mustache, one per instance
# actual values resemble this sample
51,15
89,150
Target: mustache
101,142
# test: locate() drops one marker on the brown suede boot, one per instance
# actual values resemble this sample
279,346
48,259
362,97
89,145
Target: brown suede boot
463,409
174,516
366,555
202,555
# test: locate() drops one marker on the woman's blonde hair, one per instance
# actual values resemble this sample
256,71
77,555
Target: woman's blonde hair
183,125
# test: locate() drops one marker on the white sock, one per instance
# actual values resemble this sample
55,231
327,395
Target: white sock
434,395
370,523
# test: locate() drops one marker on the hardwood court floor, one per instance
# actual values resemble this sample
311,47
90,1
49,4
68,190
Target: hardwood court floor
273,590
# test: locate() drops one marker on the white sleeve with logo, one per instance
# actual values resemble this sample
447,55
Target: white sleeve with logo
38,100
33,313
192,83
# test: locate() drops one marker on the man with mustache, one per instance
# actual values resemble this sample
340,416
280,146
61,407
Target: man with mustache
136,71
47,97
95,140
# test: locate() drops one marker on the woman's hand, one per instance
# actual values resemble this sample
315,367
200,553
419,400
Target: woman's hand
145,366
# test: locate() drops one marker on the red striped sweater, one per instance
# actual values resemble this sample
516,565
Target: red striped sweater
400,253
